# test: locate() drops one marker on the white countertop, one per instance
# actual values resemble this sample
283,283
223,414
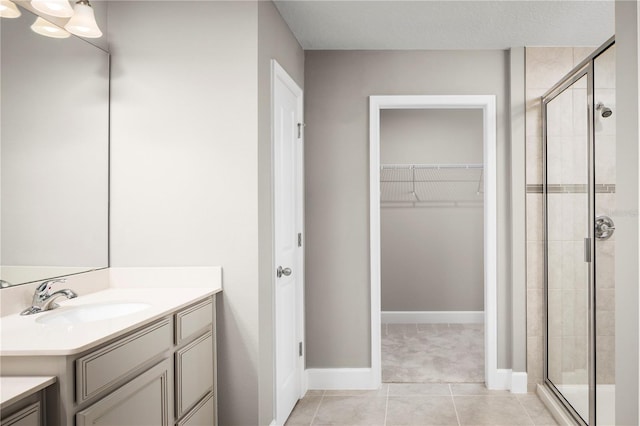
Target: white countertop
24,336
13,389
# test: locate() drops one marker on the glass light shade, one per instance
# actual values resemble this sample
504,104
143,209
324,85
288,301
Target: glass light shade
83,22
47,29
57,8
8,9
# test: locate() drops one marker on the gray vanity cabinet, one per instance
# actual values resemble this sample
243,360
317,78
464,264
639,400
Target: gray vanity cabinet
24,401
159,374
142,401
162,374
195,374
28,416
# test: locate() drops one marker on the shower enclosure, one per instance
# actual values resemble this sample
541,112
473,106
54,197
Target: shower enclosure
579,199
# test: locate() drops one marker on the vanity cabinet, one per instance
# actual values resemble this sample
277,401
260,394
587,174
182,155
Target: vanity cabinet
195,377
31,415
23,399
101,369
142,401
162,373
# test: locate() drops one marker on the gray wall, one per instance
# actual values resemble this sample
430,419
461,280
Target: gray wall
337,86
275,41
627,212
432,257
191,166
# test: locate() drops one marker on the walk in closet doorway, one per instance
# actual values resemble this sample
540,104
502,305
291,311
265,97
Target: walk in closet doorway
432,242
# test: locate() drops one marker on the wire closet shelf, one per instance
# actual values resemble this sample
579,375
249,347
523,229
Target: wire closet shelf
431,185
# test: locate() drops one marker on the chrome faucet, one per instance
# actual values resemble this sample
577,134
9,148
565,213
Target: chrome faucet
43,299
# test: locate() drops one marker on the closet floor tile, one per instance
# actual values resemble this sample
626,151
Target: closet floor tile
433,353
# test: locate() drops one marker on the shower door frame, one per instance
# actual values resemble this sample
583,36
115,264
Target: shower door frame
585,68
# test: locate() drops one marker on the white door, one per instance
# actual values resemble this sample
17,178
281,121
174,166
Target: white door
288,268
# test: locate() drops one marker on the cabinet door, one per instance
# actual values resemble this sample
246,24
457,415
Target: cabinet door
194,373
193,320
144,401
99,370
29,416
203,414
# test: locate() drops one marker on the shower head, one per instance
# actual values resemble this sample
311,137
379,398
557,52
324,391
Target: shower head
604,111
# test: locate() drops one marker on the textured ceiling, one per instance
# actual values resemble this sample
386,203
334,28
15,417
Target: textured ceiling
450,24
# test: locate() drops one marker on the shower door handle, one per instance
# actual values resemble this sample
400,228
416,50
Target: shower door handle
587,250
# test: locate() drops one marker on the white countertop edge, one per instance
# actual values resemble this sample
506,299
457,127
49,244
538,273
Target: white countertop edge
14,388
93,335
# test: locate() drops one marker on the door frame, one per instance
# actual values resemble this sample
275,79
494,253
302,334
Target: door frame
494,378
278,74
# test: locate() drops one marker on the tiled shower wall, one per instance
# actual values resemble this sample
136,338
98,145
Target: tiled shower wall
544,68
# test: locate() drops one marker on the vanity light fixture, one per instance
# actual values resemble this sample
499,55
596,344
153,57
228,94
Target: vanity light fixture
47,29
57,8
8,9
83,22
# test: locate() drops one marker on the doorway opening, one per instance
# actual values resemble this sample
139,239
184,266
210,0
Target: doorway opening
493,378
431,228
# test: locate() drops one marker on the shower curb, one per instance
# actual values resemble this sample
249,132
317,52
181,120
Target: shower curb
556,410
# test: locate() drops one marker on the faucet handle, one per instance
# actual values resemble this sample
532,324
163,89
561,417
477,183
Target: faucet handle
44,289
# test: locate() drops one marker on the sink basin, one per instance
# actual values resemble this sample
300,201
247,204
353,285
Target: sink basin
80,314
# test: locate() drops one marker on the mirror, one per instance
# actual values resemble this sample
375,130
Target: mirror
54,154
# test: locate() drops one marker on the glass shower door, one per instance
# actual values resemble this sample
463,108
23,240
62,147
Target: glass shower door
567,203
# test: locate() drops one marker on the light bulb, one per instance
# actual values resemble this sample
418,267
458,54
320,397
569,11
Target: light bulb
8,9
47,29
57,8
83,22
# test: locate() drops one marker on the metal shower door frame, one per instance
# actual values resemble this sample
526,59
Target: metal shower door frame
585,68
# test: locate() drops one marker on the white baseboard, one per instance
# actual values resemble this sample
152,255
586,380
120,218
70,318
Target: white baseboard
518,382
432,317
273,423
340,378
505,379
501,380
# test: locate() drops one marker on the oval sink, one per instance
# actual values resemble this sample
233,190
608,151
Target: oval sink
79,314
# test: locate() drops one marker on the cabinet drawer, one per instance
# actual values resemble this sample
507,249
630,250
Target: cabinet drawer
193,319
28,416
203,414
142,401
194,373
101,369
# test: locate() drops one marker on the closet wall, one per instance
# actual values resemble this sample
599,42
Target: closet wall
432,252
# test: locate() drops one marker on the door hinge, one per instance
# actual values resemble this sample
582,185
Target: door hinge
299,239
300,349
300,126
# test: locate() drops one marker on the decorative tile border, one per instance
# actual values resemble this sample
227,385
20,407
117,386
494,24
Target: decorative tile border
571,189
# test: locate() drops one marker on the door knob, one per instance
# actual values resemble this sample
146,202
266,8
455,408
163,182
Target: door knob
283,271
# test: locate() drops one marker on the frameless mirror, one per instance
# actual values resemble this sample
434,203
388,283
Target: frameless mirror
54,154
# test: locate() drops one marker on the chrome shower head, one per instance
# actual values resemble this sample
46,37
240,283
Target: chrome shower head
604,111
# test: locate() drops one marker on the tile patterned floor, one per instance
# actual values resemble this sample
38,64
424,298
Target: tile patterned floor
432,369
420,405
432,353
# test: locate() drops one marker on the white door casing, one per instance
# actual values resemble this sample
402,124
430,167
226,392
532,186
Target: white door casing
495,378
288,253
